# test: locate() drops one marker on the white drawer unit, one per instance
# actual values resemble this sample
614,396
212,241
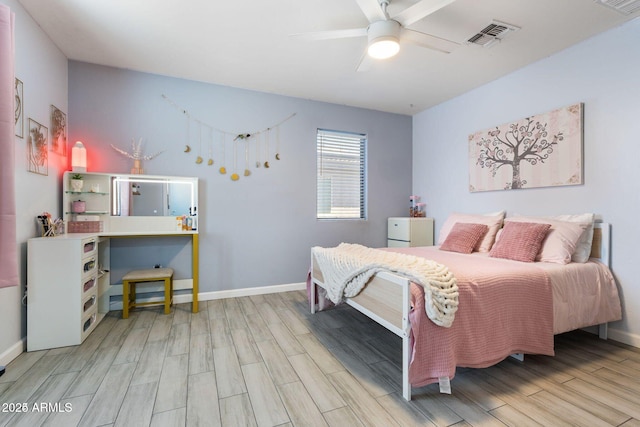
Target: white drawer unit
63,282
407,232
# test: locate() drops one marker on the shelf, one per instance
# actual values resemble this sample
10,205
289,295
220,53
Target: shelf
100,193
87,213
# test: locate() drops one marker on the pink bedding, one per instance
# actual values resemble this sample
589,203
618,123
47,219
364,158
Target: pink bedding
505,307
492,320
583,295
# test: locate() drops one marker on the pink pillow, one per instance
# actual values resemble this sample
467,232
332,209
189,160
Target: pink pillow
583,247
492,220
463,237
520,241
561,241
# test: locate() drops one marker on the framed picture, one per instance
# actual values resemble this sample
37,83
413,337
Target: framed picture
58,131
37,150
19,109
544,150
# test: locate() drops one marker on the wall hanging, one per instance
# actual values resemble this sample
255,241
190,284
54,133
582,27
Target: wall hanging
37,156
241,144
539,151
58,131
19,108
137,155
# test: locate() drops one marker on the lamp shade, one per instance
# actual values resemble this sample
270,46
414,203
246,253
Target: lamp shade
384,39
384,47
79,157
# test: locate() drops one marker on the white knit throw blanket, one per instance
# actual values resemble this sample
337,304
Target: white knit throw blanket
349,267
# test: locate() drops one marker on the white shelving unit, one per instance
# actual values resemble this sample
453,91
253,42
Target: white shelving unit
95,193
67,289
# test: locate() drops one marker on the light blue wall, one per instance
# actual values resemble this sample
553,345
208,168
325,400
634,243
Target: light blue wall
257,231
601,72
42,68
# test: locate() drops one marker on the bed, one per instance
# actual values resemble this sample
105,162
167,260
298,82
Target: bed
516,311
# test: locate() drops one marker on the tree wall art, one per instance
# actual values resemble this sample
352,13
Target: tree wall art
544,150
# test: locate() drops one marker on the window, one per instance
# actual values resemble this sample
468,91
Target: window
341,175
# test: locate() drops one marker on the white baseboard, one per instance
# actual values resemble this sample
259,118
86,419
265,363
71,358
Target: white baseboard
232,293
624,337
14,351
205,296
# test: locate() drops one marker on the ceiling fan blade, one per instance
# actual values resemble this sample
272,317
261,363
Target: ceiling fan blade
372,10
332,34
365,62
428,41
420,10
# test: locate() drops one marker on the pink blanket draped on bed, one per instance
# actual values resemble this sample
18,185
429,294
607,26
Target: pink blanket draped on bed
505,307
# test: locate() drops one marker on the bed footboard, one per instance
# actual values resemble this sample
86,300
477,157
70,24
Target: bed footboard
387,300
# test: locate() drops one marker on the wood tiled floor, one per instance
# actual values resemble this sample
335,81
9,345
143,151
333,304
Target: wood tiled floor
265,361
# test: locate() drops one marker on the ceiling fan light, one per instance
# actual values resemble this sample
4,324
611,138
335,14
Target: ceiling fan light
384,47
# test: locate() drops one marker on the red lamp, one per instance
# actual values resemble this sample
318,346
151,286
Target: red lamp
78,157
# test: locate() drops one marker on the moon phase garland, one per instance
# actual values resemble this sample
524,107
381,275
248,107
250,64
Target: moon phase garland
199,158
210,161
257,137
223,168
266,144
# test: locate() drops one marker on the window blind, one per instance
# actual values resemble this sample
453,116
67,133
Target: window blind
341,170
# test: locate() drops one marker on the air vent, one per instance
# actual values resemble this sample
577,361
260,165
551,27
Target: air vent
626,7
492,34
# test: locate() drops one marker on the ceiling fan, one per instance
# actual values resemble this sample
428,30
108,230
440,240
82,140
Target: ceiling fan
385,33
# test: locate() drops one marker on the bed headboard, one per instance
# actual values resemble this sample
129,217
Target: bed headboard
601,245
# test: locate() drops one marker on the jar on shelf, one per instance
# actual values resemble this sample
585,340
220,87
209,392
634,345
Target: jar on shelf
420,211
413,200
78,206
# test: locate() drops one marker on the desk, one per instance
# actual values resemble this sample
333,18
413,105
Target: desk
68,284
195,253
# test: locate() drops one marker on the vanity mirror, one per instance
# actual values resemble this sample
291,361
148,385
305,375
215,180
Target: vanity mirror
145,195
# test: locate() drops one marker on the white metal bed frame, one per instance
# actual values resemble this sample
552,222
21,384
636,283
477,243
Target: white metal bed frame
387,300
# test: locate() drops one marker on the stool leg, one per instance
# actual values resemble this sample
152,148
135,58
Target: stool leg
171,290
125,299
167,295
132,295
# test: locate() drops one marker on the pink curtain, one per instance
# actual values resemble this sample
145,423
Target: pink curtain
8,243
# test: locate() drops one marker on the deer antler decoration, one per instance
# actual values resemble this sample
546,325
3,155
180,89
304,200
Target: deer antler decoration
136,155
136,151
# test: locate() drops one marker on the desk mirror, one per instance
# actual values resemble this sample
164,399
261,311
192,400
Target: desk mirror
145,195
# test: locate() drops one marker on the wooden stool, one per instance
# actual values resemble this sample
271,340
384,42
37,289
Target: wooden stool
132,278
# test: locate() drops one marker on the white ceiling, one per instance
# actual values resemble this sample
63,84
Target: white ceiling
247,44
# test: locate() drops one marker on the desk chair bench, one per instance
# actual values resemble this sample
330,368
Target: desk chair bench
134,277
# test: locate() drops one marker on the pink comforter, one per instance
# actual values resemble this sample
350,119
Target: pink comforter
505,307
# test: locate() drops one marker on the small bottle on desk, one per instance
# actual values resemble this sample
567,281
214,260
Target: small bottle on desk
194,220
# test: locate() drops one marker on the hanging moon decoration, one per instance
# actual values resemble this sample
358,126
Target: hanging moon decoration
261,137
